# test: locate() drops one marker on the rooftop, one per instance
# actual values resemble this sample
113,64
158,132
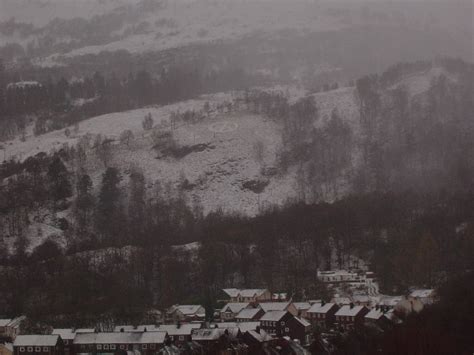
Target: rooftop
36,340
65,334
4,322
273,316
302,305
321,308
234,307
274,306
261,336
347,310
243,326
155,337
247,313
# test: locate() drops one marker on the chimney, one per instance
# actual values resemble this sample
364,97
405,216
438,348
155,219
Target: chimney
121,330
144,330
257,329
351,305
323,303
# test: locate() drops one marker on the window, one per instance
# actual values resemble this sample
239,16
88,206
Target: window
122,347
37,349
287,330
282,323
99,346
181,337
106,347
30,349
45,349
112,347
152,346
144,346
22,349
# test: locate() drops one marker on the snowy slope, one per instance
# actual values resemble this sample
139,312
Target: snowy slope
218,170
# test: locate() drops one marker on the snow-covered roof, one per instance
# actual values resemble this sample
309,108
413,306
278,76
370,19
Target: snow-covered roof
189,309
303,321
234,307
347,310
65,334
261,336
422,293
273,316
274,306
155,337
131,328
183,329
231,292
36,340
247,313
250,292
85,330
320,308
4,322
374,314
243,326
302,305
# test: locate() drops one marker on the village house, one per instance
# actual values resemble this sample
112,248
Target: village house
230,310
258,340
38,345
247,295
322,314
349,317
249,315
284,324
302,308
179,334
186,313
135,328
146,343
242,326
279,306
378,317
214,340
357,277
67,336
300,329
275,323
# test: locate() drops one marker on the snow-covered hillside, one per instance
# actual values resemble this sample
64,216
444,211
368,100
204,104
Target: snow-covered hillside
220,162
